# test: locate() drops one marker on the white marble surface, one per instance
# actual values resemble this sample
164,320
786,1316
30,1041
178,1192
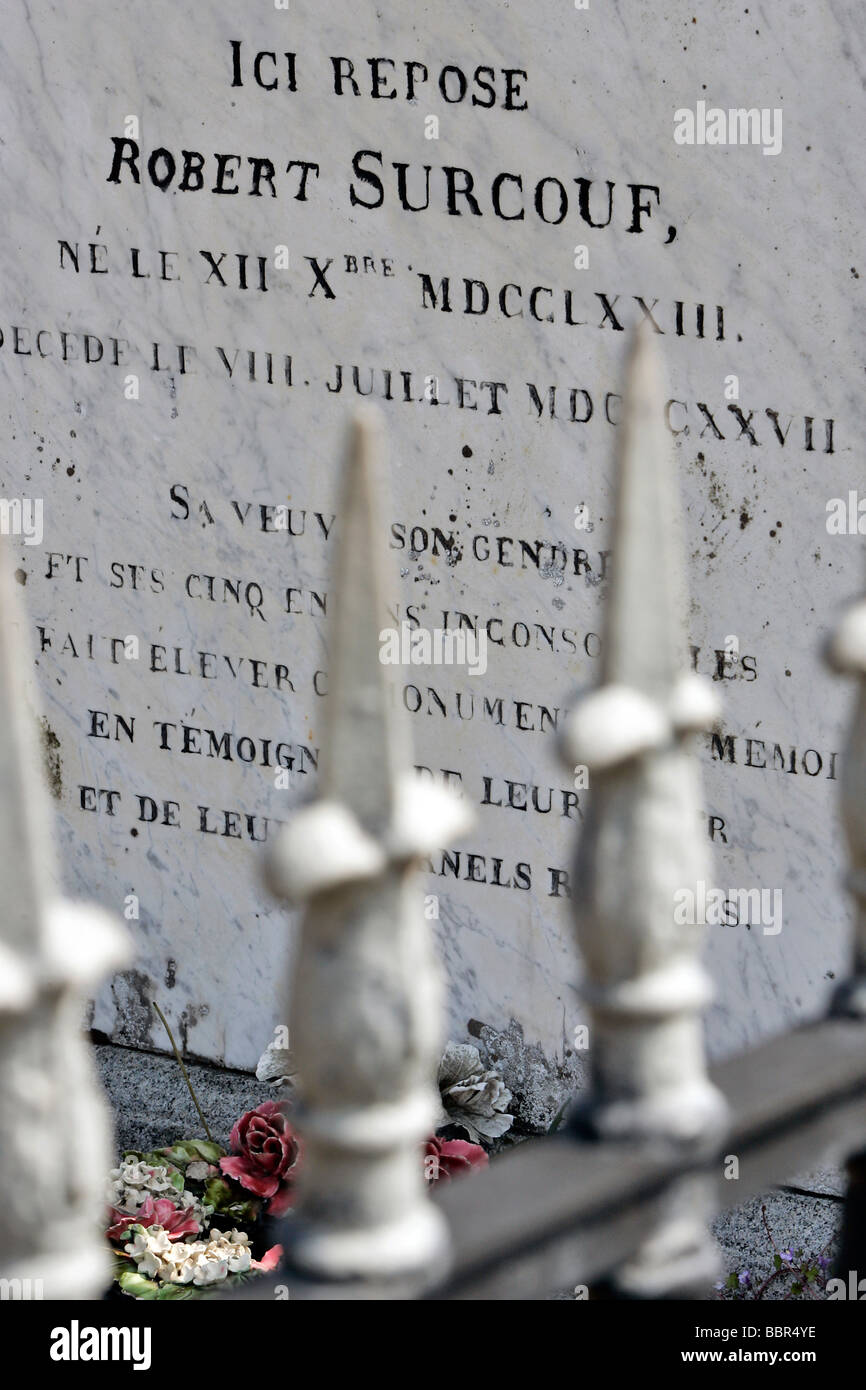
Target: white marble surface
773,240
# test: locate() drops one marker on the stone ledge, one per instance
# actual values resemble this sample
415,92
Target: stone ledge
152,1105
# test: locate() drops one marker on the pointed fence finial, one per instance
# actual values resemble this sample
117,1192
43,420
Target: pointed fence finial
642,859
55,1146
846,654
365,1006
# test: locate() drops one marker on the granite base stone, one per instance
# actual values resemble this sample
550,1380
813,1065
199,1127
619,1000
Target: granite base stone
798,1221
152,1106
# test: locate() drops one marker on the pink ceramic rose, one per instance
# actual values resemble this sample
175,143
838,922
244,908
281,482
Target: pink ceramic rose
175,1221
265,1154
269,1261
449,1158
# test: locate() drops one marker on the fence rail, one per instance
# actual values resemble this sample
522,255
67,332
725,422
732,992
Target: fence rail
558,1211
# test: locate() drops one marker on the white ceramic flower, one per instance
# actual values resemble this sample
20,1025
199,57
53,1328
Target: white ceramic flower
156,1179
200,1262
238,1252
210,1268
276,1066
200,1170
473,1098
152,1252
182,1268
130,1185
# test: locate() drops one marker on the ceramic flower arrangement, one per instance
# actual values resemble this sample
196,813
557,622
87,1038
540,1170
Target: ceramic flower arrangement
185,1220
191,1219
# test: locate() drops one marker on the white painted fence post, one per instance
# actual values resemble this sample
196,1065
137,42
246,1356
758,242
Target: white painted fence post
846,654
643,849
55,1147
365,1007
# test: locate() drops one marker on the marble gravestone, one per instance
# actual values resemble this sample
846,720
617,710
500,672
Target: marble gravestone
222,226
